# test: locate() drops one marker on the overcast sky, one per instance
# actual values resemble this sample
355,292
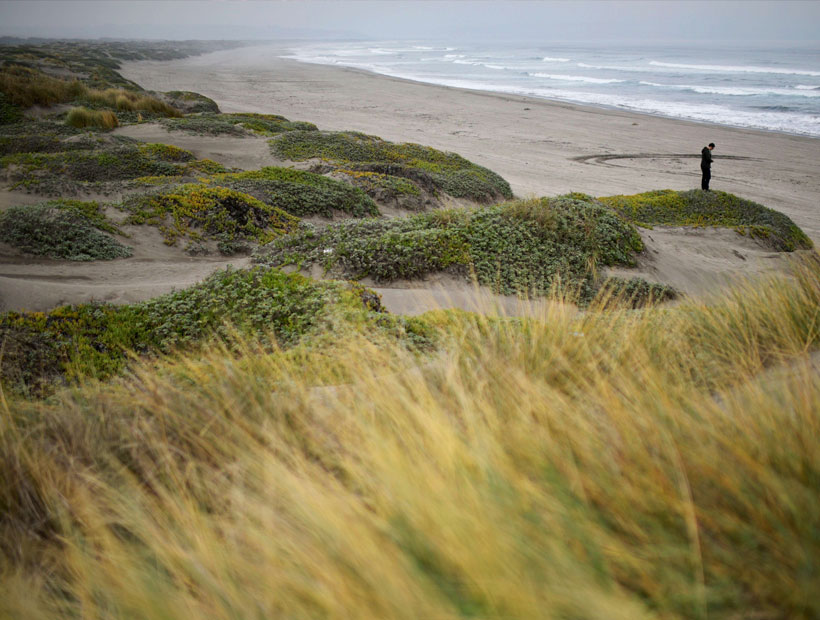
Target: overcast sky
576,20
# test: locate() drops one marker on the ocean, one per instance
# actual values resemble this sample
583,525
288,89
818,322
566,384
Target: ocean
775,87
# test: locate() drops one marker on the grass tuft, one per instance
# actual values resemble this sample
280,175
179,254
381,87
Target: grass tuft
83,117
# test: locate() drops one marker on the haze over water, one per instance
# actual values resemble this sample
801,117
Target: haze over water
766,87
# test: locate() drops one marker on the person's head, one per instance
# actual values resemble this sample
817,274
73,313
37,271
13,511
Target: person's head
711,145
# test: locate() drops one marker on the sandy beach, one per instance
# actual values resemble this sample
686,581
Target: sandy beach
542,148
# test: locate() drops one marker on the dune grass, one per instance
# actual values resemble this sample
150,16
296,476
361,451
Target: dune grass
25,87
659,464
83,117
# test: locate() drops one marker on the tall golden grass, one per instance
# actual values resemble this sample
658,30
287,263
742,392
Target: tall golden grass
661,463
83,117
26,87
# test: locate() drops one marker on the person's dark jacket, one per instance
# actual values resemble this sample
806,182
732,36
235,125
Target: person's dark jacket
706,158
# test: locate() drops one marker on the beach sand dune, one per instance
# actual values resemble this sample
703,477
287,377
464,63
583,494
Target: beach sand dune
541,147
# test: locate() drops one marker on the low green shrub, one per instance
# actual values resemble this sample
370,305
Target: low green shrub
72,170
94,340
190,102
9,113
70,230
198,211
300,193
214,124
449,172
523,247
699,208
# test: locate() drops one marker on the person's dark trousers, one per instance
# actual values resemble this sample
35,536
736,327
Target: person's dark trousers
707,176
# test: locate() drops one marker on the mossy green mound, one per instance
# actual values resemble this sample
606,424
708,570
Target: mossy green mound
197,212
190,102
94,162
519,247
699,208
447,172
70,230
93,340
299,192
215,124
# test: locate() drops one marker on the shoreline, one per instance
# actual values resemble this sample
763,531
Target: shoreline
567,102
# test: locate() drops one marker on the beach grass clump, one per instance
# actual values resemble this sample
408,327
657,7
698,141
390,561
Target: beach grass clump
299,192
448,172
64,229
72,170
25,87
82,118
198,211
637,465
715,208
128,101
522,247
215,124
43,350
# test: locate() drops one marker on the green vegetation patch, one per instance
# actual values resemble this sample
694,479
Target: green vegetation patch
190,102
197,211
94,339
447,172
73,170
66,229
633,292
215,124
299,192
699,208
522,247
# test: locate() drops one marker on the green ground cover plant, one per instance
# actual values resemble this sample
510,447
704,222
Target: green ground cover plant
448,172
43,136
197,211
66,229
699,208
522,247
70,343
648,465
387,188
190,102
214,124
299,192
110,160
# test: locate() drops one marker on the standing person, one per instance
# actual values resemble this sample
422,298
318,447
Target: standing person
706,166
